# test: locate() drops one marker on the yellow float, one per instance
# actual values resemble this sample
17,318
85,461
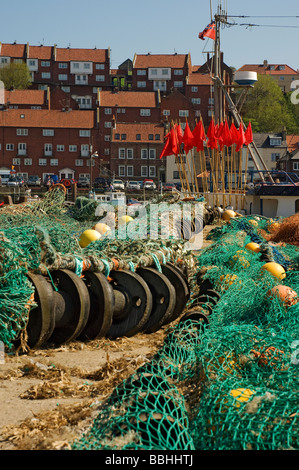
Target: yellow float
275,269
88,236
124,219
228,214
252,246
241,395
101,228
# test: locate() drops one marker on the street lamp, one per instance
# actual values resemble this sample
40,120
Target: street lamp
92,155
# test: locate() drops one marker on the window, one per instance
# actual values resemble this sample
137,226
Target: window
151,137
296,166
194,89
62,65
42,162
145,112
81,79
108,111
152,154
138,136
100,66
144,171
122,153
152,171
22,149
84,150
121,170
48,132
107,124
124,137
22,131
27,161
60,148
130,170
154,72
107,138
72,148
275,141
107,151
141,84
45,63
100,78
183,113
275,157
62,76
53,162
84,133
46,75
86,66
117,136
48,150
195,100
178,72
178,84
10,146
35,107
75,65
144,154
281,78
176,175
130,154
141,72
157,136
79,162
211,100
66,89
165,71
16,161
281,67
166,112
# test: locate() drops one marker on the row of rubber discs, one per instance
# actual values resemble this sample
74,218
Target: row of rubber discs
85,308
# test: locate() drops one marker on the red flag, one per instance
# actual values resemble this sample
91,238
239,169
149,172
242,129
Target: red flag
167,149
179,133
241,138
218,133
199,136
211,134
188,139
226,135
234,133
174,141
208,32
248,135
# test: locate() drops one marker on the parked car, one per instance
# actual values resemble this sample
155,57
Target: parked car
33,180
133,185
118,184
149,184
83,182
15,181
101,183
169,186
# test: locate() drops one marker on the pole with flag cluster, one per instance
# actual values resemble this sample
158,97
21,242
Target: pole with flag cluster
223,145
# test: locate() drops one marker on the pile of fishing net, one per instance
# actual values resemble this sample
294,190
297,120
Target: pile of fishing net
43,235
229,383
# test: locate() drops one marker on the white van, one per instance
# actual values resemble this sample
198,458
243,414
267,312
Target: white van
5,175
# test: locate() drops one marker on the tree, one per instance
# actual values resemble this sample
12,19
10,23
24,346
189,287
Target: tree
267,108
15,76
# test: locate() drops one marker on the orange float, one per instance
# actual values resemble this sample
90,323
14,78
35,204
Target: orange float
287,295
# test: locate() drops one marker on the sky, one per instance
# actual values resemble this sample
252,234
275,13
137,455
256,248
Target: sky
158,27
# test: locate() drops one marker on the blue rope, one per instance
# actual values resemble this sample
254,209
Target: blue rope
107,267
157,262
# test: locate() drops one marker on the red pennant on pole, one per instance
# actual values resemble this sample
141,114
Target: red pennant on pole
199,136
226,135
241,138
234,134
211,134
248,135
188,139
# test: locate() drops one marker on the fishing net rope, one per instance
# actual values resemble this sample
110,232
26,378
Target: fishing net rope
237,374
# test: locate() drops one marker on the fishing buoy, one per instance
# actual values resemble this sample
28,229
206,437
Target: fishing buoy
241,395
287,295
273,227
228,214
251,246
124,219
88,236
101,228
253,222
275,269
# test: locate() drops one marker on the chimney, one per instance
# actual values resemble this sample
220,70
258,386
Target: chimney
265,63
54,52
284,134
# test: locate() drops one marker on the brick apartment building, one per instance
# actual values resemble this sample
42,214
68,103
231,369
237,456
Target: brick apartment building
76,101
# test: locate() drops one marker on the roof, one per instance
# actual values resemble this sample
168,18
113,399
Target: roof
45,53
266,69
126,99
262,139
199,79
292,142
160,60
44,118
144,129
92,55
31,97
